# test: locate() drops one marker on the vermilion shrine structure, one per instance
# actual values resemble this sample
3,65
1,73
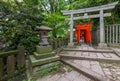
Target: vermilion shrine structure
83,32
86,11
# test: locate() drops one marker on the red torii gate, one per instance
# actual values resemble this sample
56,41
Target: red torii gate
83,32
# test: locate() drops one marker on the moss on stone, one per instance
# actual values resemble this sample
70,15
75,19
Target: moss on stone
43,49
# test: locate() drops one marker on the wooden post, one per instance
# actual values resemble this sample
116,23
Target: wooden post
21,57
60,42
119,34
10,64
107,33
64,41
110,34
71,31
116,33
113,34
55,43
1,68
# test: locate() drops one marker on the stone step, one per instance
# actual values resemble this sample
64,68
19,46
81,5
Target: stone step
87,72
44,55
96,50
117,52
89,58
38,62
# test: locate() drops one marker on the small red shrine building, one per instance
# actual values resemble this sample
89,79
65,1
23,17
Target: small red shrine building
83,32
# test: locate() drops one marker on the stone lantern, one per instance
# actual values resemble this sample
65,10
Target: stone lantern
43,33
44,56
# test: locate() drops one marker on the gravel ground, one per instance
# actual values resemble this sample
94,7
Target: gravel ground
112,70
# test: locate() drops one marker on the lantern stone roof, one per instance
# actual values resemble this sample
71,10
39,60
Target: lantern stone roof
44,28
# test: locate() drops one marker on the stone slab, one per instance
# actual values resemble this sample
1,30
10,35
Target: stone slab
87,50
89,73
90,58
44,55
72,75
36,62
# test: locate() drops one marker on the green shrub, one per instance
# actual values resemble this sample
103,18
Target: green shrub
30,79
49,70
30,43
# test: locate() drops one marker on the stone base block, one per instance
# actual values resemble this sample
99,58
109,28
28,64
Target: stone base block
70,44
37,62
34,63
43,49
44,55
102,45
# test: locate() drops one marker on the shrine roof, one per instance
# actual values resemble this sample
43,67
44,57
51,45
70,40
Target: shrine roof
44,28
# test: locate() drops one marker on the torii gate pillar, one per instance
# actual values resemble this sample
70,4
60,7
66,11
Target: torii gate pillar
102,43
71,32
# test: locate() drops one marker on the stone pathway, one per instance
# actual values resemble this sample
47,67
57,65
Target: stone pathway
84,47
87,69
85,60
92,65
66,76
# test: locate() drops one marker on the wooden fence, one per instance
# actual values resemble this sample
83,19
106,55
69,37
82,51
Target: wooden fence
112,33
58,43
12,63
